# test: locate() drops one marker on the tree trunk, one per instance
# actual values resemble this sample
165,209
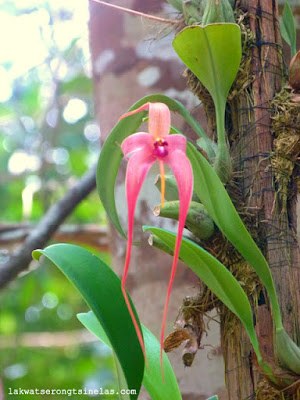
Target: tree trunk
274,212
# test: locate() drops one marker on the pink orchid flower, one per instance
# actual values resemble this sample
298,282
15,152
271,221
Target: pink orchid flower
143,150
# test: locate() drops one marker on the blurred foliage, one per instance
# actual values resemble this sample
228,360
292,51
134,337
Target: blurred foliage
48,134
48,138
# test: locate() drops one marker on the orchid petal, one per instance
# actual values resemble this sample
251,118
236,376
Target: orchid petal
142,108
136,142
183,173
176,142
159,120
137,169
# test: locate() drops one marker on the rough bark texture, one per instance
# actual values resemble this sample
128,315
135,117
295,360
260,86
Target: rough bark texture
275,226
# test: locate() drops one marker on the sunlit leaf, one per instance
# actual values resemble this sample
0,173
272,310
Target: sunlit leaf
213,54
101,289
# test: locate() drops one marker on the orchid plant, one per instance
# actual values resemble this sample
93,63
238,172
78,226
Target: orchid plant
210,52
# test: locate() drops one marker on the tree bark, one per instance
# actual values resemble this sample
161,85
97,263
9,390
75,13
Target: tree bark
276,225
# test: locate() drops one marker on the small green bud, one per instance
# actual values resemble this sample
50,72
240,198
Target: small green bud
218,11
197,221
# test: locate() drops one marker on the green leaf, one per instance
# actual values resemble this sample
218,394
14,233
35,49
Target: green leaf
90,321
213,54
217,202
152,377
153,382
101,289
213,398
111,153
288,28
216,277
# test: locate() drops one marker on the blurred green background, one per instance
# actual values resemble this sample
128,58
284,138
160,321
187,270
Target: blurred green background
48,138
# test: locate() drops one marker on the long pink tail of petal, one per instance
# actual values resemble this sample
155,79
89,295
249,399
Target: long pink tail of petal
173,271
183,173
137,169
136,326
142,108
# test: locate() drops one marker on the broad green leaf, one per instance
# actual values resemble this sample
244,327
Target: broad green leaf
101,289
213,54
111,153
152,377
216,277
213,398
288,28
217,202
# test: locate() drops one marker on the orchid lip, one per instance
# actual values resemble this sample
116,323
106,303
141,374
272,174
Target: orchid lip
160,149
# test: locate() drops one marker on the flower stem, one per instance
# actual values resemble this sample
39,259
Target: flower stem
223,163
